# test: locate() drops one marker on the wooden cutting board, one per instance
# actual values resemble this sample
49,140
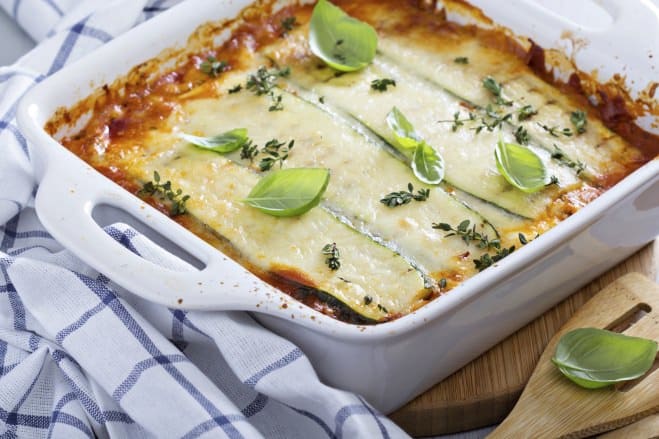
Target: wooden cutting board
484,391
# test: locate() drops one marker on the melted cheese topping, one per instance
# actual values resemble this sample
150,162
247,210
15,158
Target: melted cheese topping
392,259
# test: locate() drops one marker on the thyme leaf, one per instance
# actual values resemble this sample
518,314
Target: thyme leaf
461,60
526,112
333,259
559,154
395,199
381,85
555,131
469,234
264,81
495,88
579,120
212,67
164,191
276,152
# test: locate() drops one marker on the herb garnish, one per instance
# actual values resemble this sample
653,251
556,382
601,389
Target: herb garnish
333,256
395,199
289,192
461,60
520,166
368,300
212,67
249,150
555,131
276,154
559,154
235,89
522,136
457,122
264,81
383,309
595,358
222,143
579,120
287,25
165,191
553,180
468,233
382,84
342,42
427,164
493,120
495,88
526,112
487,260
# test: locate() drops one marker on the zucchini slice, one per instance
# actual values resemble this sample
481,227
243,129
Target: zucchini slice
362,174
468,155
289,248
598,150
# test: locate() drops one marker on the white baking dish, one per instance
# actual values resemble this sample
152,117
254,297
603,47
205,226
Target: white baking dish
388,363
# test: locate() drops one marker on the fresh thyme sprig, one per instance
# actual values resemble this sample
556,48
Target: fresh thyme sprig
522,136
381,85
553,180
559,154
579,120
555,131
333,256
461,60
526,112
212,67
395,199
487,260
263,83
495,88
493,120
249,150
457,122
164,190
235,89
275,153
287,25
468,233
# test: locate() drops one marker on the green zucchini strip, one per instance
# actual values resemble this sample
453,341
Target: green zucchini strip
598,149
468,157
362,173
288,247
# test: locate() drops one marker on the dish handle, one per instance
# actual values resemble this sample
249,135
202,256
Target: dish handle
65,205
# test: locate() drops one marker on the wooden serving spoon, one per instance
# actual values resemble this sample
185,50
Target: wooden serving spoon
553,406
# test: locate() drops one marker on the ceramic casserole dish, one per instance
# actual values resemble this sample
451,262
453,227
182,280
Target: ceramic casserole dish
391,362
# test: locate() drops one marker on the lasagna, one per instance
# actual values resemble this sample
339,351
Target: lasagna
381,240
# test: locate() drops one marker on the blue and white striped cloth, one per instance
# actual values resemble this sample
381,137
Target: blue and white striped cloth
81,357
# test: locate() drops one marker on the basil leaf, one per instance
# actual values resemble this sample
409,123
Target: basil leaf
595,358
405,135
289,192
343,42
427,164
222,143
520,166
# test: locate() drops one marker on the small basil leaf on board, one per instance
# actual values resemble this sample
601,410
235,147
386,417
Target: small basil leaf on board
520,166
427,164
343,42
595,358
289,192
222,143
405,135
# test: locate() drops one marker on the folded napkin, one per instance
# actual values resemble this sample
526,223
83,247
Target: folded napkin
82,357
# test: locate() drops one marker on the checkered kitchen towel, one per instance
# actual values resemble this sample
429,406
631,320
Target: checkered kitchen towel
81,357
